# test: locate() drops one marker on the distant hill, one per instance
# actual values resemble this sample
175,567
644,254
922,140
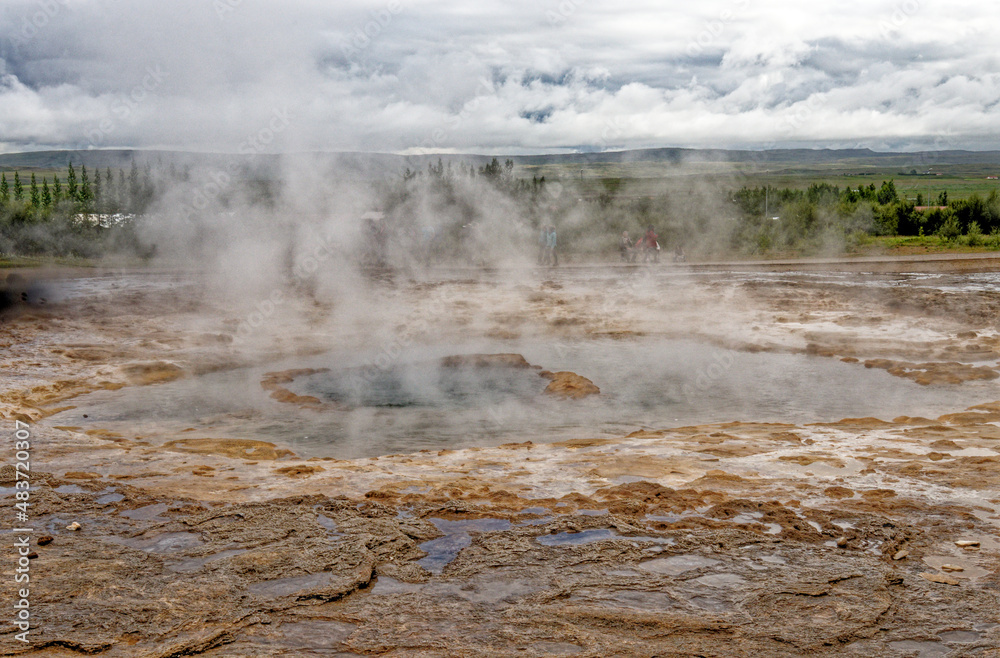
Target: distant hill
374,163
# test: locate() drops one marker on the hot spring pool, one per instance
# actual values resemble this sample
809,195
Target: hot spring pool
410,404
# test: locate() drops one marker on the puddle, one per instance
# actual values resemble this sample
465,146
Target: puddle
484,589
109,498
678,564
536,510
721,580
288,586
969,570
167,542
329,524
316,635
646,601
441,551
959,637
195,564
386,586
708,603
147,513
70,489
920,649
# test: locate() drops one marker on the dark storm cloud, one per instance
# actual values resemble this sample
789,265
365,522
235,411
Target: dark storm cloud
409,75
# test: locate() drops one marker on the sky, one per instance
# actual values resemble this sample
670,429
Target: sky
512,77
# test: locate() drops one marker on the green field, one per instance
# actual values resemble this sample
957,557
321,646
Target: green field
645,179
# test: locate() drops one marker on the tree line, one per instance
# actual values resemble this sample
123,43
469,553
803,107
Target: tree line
64,216
100,192
783,218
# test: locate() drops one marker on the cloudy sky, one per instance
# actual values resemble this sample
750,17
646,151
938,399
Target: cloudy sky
518,76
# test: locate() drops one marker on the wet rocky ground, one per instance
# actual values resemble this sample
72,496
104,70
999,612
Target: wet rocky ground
852,537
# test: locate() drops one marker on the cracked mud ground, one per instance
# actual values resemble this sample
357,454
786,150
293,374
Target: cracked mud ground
851,537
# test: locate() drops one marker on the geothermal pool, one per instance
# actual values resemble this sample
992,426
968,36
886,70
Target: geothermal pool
407,403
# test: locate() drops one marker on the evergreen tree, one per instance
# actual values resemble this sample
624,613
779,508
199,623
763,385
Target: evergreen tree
72,193
18,188
86,194
122,191
57,191
4,189
35,198
134,189
147,184
97,190
109,188
46,194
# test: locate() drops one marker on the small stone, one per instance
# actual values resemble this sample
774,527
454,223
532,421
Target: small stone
939,578
572,529
74,526
32,555
900,554
45,540
967,544
842,542
951,567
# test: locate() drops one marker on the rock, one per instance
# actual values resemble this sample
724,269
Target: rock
485,361
238,448
32,555
45,540
74,526
842,542
951,567
81,475
157,372
967,544
901,554
569,385
300,471
939,578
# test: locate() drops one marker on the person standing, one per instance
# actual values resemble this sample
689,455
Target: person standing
650,246
625,248
551,245
543,245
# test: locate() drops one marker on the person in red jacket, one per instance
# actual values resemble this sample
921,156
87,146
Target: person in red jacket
650,246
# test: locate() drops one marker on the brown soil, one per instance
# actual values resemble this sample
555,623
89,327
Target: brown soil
728,539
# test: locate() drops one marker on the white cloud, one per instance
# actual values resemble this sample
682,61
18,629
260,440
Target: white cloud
392,75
